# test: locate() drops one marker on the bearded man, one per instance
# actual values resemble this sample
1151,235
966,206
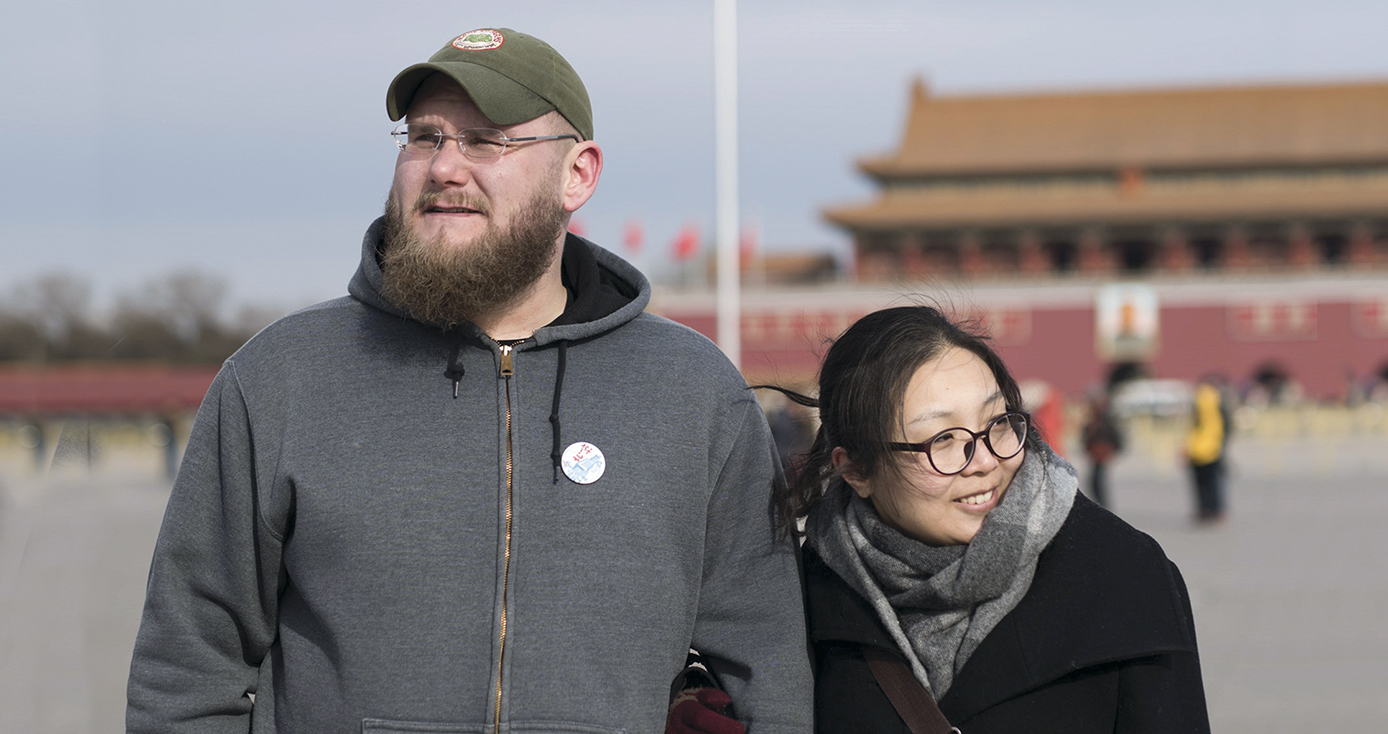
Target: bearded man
469,497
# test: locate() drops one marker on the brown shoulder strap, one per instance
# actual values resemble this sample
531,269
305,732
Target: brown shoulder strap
908,696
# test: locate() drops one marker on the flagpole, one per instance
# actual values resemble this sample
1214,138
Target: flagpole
729,308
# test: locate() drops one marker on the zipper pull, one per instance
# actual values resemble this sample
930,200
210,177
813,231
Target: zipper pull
507,367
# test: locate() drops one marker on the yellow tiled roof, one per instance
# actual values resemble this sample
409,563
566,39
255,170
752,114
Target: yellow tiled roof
1172,128
1212,200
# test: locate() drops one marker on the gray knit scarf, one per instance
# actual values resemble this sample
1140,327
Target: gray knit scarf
939,602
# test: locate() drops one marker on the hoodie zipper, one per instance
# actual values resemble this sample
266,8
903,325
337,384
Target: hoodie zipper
507,369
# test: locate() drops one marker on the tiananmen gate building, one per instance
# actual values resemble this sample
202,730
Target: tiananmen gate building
1238,230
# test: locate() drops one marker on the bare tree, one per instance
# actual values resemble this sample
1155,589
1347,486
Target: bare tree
21,340
56,301
179,317
58,306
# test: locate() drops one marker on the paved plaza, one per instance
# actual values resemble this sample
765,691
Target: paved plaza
1288,595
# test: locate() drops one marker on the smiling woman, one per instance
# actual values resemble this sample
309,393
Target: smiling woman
952,571
942,493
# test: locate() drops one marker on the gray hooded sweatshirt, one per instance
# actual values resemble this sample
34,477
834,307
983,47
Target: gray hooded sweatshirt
370,531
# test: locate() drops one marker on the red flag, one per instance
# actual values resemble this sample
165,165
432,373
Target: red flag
686,242
747,244
576,226
632,236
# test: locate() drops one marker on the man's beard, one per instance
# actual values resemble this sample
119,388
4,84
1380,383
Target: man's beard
444,283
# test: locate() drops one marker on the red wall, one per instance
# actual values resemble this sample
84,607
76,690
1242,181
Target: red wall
1058,346
1060,351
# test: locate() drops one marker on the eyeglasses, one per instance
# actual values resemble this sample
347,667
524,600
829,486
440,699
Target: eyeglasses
478,143
951,450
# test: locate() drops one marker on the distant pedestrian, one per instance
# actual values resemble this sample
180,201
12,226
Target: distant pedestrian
1103,441
1205,448
793,430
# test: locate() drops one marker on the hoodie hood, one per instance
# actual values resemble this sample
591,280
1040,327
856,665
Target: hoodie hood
605,291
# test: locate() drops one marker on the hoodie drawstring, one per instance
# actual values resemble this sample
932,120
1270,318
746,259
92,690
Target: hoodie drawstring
455,373
455,368
554,453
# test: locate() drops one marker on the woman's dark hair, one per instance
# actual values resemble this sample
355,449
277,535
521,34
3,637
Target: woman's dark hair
862,386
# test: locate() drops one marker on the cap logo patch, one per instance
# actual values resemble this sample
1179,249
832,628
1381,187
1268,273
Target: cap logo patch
482,39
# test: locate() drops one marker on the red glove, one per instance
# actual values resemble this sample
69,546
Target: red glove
702,711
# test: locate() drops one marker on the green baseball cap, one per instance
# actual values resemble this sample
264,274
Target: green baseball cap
511,77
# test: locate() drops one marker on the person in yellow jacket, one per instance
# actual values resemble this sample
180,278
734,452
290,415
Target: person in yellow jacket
1205,451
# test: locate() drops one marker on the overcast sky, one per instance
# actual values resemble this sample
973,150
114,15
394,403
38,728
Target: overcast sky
249,139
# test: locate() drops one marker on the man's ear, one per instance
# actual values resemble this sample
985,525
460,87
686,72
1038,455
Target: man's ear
849,471
582,168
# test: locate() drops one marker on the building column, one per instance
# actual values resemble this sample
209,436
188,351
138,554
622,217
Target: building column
912,249
1301,250
1029,253
1361,244
874,262
1093,259
1236,247
859,264
970,254
1175,250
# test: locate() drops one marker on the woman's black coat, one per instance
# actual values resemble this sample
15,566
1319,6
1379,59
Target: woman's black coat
1103,641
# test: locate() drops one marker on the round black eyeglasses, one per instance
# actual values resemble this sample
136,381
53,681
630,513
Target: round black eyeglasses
951,450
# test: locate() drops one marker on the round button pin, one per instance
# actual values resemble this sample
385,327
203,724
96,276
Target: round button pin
583,462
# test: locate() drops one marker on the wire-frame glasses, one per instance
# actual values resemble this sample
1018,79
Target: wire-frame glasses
478,143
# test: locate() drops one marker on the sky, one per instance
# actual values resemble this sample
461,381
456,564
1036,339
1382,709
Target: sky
249,140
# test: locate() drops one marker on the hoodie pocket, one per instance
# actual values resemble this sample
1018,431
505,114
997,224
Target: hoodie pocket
559,727
383,726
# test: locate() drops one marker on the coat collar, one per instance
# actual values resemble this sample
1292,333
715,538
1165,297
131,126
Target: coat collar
1103,592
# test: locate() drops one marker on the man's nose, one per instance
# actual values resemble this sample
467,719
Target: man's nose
448,166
